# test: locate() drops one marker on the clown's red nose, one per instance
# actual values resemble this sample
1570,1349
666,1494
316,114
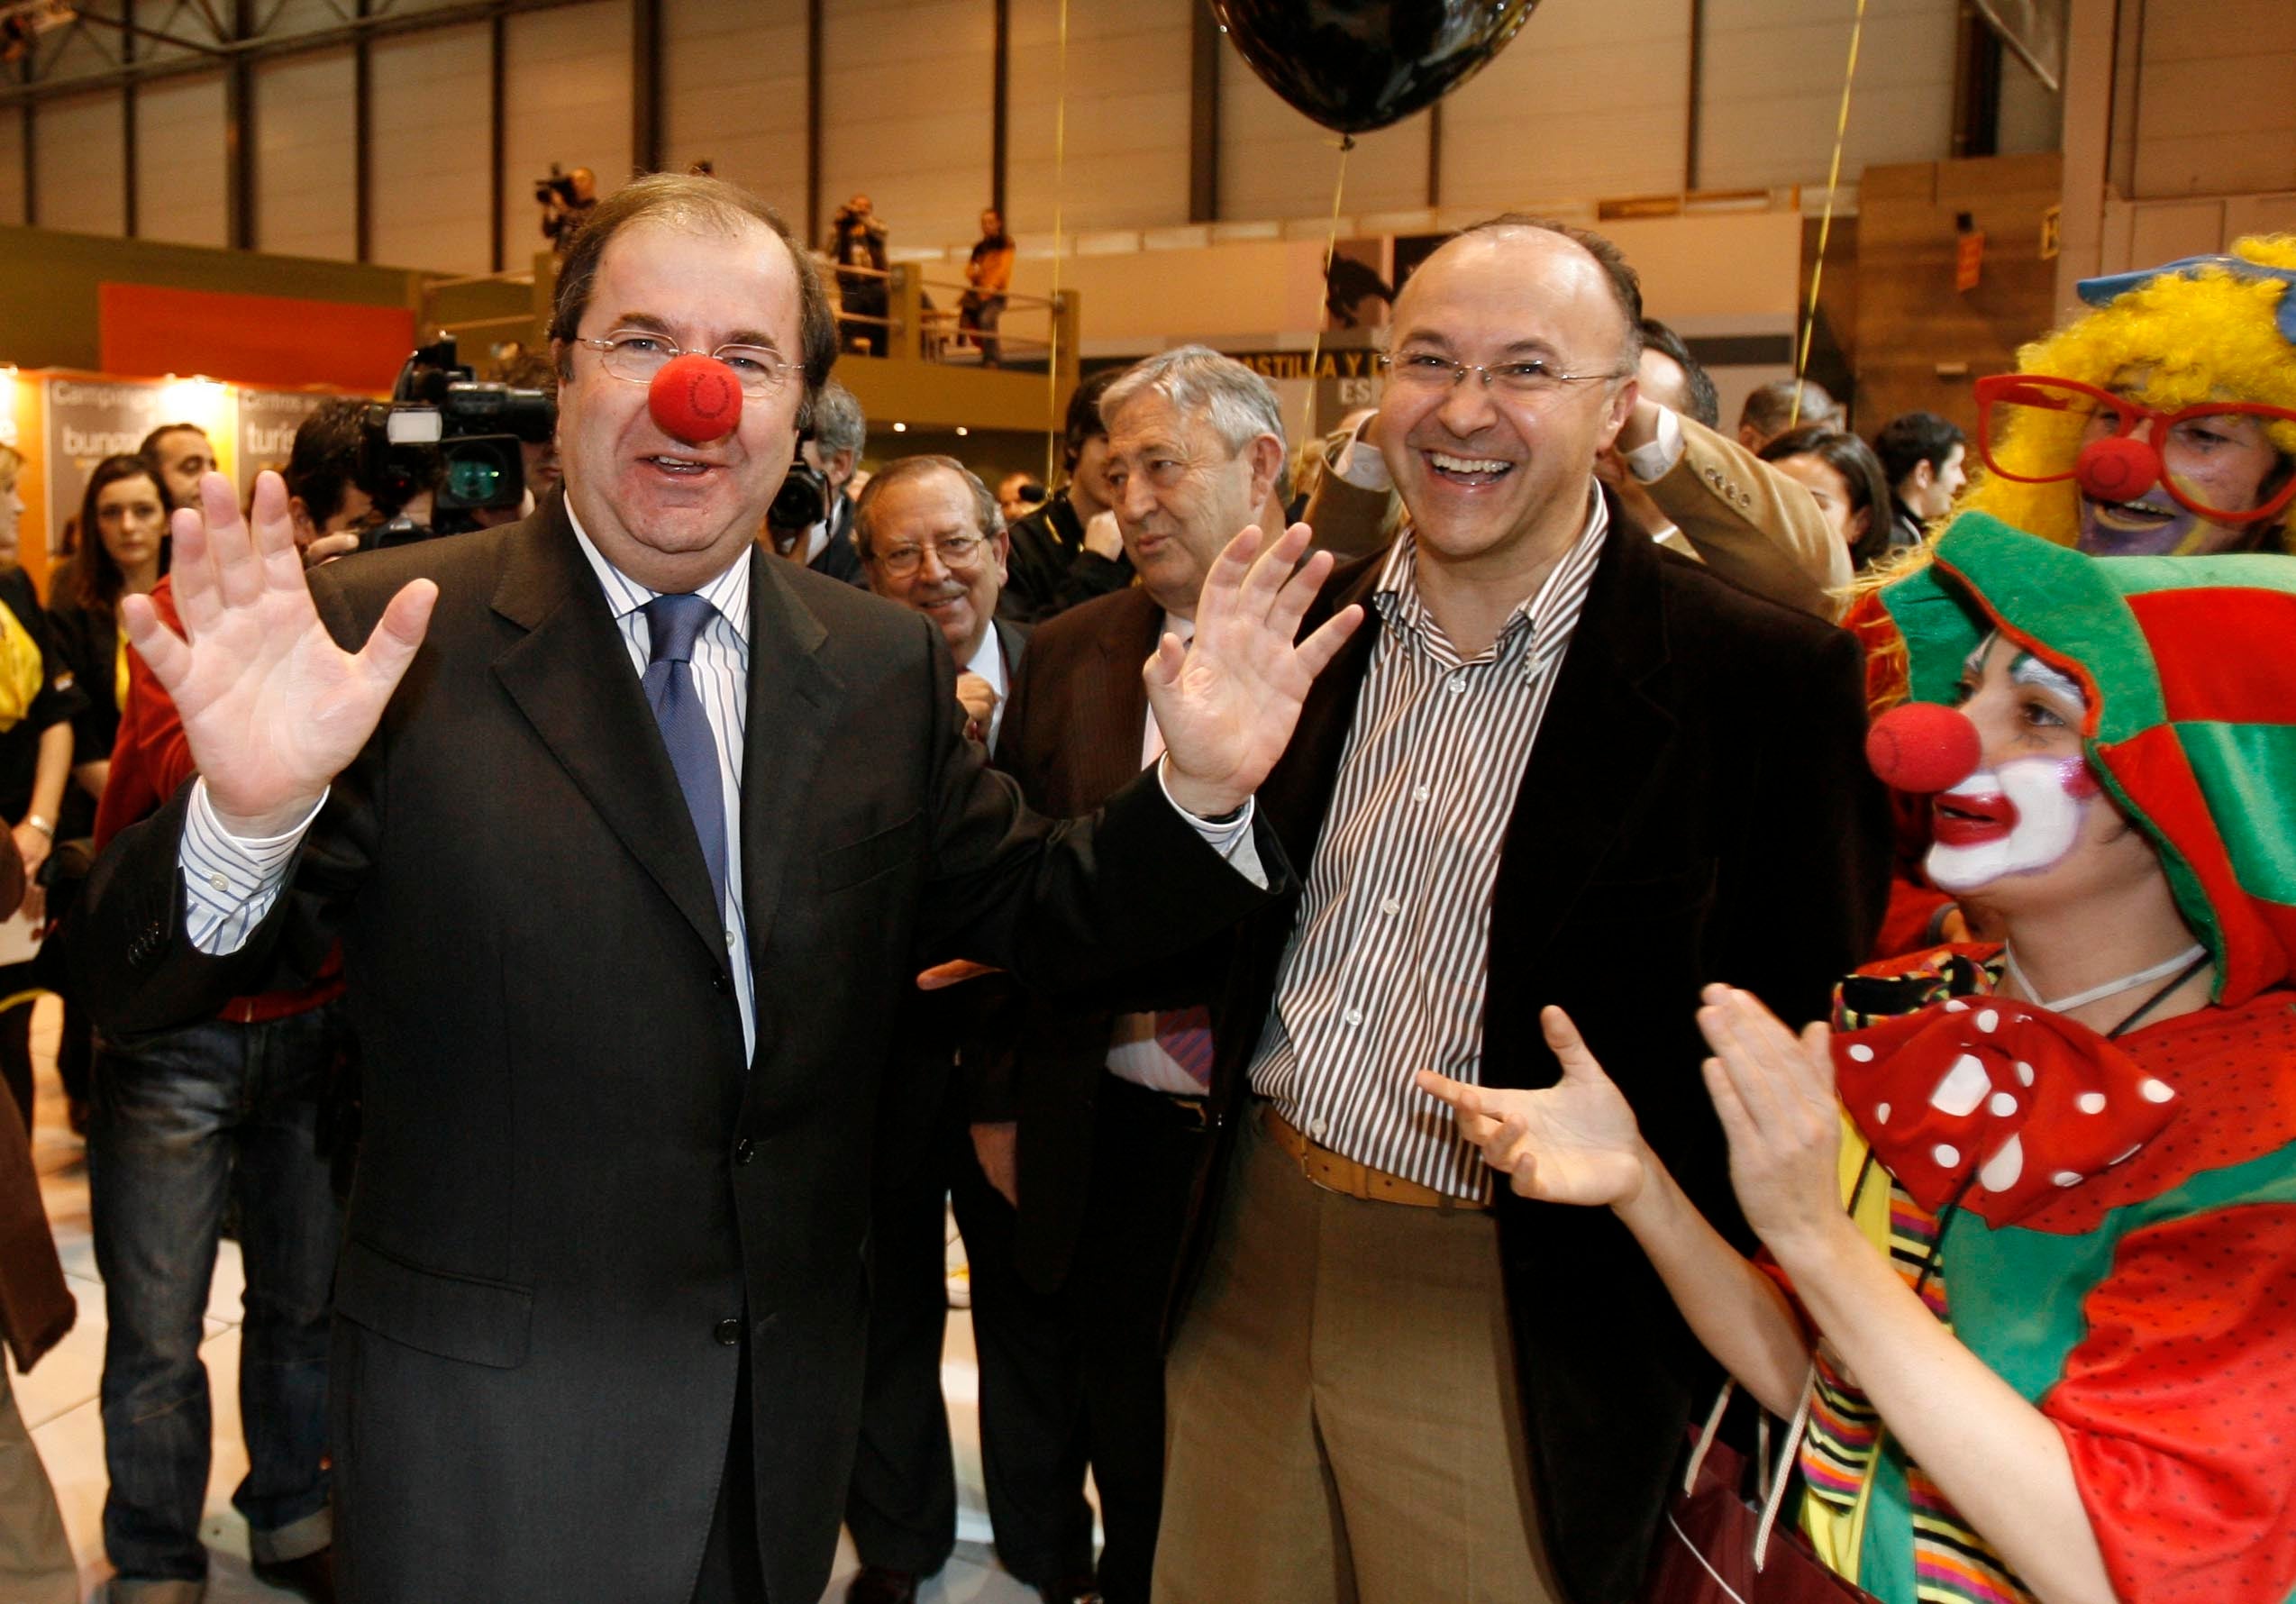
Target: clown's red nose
2121,468
695,398
1923,748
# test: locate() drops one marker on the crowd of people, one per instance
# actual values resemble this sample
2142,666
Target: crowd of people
1411,955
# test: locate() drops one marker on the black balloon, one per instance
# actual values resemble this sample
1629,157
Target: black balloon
1356,65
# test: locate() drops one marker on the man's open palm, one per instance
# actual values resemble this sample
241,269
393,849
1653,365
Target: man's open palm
272,707
1227,702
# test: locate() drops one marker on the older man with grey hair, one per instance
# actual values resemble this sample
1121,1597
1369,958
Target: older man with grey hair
1089,1161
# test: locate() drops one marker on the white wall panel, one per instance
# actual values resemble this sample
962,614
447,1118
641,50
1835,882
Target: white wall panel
431,206
80,151
1586,101
305,160
566,98
907,98
1127,132
1274,162
1773,89
180,177
11,166
733,94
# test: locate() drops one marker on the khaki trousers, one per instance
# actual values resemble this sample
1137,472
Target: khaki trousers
35,1561
1344,1419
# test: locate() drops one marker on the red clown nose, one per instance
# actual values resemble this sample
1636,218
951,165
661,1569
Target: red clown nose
695,398
1923,748
2121,468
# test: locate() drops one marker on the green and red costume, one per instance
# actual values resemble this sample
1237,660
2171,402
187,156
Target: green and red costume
2111,1225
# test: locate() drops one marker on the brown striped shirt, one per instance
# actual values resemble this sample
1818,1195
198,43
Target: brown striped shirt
1388,963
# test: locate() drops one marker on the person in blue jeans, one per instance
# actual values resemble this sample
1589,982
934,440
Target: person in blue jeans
182,1122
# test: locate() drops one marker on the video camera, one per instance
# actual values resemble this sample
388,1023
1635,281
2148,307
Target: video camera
558,185
442,430
802,502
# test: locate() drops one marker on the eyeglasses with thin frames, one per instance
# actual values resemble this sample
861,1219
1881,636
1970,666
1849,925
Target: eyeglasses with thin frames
636,355
960,555
1528,379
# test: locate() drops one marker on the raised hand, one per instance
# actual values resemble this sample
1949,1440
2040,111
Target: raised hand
272,707
1227,702
1574,1141
1775,1093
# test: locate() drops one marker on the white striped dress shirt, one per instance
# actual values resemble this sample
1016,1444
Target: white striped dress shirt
1388,966
231,883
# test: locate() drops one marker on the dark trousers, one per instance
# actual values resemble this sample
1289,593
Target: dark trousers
1075,1377
182,1120
901,1506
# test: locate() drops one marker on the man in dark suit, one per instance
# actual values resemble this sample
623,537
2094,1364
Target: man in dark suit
931,538
1072,1253
1559,765
632,837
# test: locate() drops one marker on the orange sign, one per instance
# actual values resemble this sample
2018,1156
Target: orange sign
1969,260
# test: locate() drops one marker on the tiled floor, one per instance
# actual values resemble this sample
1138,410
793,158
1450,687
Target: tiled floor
58,1398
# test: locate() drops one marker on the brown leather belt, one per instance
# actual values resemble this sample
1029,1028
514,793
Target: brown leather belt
1335,1172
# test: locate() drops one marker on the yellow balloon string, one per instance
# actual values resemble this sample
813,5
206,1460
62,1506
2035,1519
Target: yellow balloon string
1052,346
1330,250
1825,222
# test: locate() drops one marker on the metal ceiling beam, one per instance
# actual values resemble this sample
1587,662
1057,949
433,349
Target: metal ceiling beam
259,48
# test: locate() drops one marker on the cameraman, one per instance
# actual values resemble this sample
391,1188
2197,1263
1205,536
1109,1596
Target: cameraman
827,457
857,245
567,202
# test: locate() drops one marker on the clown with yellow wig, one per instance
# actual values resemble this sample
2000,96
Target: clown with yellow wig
2164,424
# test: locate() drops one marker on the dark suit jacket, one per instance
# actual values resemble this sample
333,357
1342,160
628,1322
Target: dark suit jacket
840,559
1696,809
572,1180
1072,738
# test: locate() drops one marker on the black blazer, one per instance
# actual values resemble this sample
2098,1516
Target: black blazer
1696,809
572,1182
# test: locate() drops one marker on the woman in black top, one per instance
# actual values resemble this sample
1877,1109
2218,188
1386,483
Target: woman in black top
122,552
37,702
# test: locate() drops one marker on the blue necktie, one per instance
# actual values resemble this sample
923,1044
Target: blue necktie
673,623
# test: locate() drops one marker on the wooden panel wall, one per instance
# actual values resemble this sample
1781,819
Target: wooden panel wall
907,96
565,98
432,200
2215,105
1554,116
1127,116
80,149
733,93
12,168
1910,317
179,166
306,157
1772,88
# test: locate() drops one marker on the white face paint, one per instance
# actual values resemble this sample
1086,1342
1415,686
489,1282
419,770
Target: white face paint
2021,817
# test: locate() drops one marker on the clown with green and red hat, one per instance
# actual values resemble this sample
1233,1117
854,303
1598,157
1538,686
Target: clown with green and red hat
2027,1207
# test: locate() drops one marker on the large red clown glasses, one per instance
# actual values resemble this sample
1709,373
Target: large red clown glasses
2116,463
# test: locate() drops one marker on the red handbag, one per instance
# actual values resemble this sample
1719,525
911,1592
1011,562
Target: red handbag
1713,1546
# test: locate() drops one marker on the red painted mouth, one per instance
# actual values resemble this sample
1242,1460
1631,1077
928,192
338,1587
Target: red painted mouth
1963,818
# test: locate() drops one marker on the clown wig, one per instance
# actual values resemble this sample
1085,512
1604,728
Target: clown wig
2201,335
